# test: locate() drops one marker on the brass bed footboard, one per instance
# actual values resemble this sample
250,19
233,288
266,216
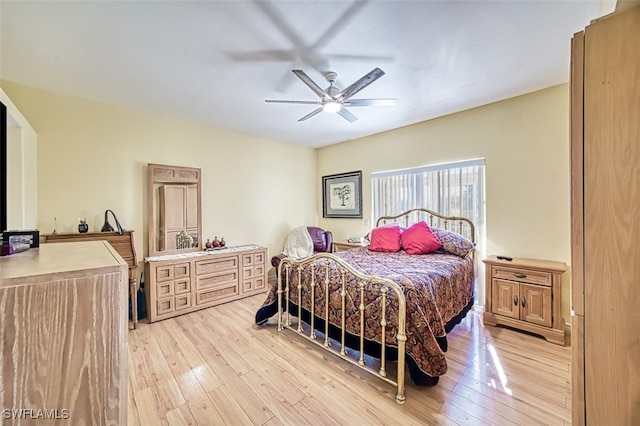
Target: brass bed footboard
328,281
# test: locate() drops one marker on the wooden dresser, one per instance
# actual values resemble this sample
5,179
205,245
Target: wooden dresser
179,283
63,339
525,294
124,245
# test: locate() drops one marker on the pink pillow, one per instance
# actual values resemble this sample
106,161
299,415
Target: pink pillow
419,239
385,238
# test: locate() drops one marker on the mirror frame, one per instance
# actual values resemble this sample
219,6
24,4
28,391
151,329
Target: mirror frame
4,173
158,174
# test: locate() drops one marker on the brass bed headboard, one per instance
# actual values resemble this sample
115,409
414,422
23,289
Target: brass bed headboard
460,225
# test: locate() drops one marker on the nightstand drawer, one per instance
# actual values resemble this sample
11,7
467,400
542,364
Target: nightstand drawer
521,275
338,246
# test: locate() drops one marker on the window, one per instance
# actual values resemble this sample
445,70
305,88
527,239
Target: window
453,189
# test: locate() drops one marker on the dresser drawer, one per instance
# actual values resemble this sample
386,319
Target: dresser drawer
164,306
248,273
216,265
221,292
164,273
521,275
181,270
165,289
172,304
182,285
216,280
170,272
253,259
182,301
248,259
253,285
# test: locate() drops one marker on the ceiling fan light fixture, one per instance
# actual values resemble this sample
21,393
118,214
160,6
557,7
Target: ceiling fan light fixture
331,106
335,100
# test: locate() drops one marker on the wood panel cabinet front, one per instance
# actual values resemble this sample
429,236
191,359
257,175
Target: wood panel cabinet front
63,336
525,294
254,277
605,207
184,283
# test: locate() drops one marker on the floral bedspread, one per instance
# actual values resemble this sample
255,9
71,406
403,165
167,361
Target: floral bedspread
437,287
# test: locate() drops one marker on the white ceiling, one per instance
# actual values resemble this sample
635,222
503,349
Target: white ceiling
215,62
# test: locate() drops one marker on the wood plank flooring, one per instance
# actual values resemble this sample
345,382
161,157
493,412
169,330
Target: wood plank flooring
215,367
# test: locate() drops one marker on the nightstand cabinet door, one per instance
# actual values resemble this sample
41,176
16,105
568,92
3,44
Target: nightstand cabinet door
506,298
535,304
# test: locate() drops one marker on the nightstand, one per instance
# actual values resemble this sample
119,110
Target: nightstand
344,245
525,294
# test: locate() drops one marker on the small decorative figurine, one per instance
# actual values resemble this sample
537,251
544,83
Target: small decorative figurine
83,226
222,242
183,241
208,244
216,242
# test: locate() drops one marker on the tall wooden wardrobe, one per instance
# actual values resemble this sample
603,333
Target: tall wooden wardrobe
605,201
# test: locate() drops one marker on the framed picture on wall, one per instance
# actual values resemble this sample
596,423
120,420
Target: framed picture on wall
342,195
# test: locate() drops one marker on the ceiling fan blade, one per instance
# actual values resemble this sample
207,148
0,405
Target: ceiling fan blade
312,85
346,114
363,82
311,114
370,102
277,101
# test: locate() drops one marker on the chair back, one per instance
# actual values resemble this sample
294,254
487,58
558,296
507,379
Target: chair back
322,239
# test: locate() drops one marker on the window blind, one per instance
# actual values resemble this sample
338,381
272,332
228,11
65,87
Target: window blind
453,189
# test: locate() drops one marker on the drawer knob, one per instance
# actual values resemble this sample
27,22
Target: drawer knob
524,302
519,275
515,300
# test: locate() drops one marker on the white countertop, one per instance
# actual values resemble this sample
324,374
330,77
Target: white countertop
215,252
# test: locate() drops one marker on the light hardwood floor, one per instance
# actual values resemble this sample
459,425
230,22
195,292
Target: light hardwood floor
215,367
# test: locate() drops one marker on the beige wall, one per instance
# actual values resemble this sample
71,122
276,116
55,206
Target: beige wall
524,141
93,157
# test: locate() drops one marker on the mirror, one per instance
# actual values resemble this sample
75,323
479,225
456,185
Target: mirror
18,179
175,209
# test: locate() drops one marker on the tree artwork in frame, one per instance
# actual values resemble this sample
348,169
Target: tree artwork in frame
342,195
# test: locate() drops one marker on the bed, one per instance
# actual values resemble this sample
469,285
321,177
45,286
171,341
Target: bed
383,303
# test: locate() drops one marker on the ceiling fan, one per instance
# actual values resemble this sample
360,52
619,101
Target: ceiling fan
332,99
